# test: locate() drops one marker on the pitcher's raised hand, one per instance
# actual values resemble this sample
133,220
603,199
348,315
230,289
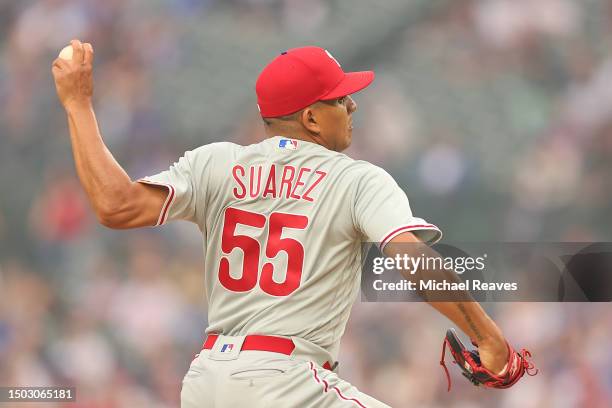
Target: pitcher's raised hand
74,77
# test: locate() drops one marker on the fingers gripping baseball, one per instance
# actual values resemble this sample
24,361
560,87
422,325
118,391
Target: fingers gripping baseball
73,75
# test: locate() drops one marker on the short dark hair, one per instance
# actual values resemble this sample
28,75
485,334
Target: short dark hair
286,118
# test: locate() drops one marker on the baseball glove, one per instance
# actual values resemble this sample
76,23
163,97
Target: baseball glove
473,370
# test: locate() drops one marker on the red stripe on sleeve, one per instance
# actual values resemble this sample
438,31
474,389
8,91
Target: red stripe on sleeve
167,205
406,228
169,199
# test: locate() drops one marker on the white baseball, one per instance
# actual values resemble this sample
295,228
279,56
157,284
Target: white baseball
66,53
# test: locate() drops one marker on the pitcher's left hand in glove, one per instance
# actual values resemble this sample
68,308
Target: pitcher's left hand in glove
473,370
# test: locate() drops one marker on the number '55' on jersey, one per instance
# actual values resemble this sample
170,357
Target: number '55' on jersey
282,222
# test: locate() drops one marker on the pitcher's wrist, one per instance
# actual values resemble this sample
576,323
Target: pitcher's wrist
80,104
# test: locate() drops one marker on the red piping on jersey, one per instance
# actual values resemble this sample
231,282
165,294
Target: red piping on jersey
169,199
167,205
316,377
406,228
326,387
256,342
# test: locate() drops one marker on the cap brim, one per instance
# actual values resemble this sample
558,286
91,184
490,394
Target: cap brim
352,82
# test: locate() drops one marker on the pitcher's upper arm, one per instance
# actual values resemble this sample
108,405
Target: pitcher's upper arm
399,244
143,205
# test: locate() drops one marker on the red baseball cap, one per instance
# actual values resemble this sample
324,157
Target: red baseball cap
302,76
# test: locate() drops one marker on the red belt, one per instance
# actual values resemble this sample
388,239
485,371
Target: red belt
258,342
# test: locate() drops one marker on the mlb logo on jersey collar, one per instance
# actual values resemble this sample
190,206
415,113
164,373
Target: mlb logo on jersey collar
288,144
227,348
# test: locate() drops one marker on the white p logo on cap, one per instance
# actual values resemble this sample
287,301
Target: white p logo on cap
332,57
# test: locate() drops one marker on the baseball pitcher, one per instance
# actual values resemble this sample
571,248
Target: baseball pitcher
282,222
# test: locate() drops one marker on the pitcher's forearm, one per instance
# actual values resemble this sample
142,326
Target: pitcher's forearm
117,201
103,179
458,306
473,321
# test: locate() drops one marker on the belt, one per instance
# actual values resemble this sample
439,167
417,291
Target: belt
258,342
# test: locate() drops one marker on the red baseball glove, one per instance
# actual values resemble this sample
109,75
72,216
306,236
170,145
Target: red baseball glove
473,370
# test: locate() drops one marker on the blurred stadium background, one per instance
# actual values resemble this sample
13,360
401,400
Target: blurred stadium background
495,116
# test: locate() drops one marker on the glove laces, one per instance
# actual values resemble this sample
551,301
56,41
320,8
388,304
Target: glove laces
527,365
443,364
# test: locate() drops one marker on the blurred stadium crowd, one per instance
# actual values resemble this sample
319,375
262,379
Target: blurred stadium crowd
494,115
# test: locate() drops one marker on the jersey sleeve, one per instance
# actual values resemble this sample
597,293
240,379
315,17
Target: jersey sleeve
382,211
185,184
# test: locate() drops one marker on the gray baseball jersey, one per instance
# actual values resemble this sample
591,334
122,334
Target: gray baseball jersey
282,222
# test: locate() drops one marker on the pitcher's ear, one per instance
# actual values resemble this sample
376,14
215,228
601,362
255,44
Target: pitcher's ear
309,120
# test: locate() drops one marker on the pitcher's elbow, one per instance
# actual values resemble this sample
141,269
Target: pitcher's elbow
110,216
107,219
